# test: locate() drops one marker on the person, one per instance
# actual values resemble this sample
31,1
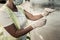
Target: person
10,13
50,31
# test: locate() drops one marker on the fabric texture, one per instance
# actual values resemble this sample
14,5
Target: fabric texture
5,20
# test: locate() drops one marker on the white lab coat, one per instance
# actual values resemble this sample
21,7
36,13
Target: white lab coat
6,21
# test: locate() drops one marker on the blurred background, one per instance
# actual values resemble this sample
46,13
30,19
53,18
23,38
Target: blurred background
46,3
2,2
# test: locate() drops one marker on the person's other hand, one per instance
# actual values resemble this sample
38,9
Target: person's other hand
47,11
39,23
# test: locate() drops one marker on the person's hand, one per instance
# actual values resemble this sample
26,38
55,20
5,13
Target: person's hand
47,11
39,23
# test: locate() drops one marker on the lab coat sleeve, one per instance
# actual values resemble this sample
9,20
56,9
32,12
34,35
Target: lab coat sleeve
5,19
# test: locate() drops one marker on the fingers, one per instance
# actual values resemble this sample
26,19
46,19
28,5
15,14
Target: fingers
49,10
43,22
39,23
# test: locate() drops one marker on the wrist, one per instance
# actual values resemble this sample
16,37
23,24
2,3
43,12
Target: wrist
29,26
33,26
45,13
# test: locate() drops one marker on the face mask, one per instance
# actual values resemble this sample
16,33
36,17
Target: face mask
18,2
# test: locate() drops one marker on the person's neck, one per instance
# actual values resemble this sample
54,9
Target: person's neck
12,6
